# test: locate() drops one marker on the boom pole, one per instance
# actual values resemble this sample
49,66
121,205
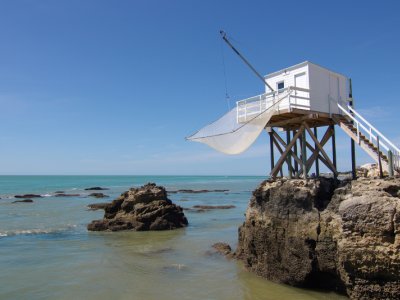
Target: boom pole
223,34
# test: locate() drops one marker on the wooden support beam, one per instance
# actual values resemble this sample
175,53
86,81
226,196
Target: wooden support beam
281,152
289,158
296,165
283,156
271,148
321,149
315,151
315,154
316,160
284,144
304,151
333,146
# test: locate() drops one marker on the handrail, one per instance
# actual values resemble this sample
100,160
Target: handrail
359,124
373,128
253,105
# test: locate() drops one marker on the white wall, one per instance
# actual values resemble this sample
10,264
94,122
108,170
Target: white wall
325,84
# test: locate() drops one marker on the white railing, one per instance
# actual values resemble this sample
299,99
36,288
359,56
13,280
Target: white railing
373,134
298,98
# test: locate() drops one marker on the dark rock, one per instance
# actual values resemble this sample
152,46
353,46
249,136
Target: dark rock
197,191
144,208
96,206
23,201
207,207
322,233
222,248
66,195
96,188
59,192
28,196
98,195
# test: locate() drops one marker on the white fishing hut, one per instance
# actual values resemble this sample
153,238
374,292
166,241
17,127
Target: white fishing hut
302,87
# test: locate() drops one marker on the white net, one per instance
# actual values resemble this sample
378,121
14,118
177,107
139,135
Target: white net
232,133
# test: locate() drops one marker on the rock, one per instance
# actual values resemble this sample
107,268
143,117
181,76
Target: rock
59,192
208,207
197,191
370,170
28,196
96,188
322,233
96,206
23,201
98,195
66,195
223,248
139,209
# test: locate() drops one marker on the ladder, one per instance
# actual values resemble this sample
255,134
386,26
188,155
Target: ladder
371,140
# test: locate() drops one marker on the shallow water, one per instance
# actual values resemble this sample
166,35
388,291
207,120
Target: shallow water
47,253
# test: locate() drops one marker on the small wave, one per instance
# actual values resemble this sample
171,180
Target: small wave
46,195
36,231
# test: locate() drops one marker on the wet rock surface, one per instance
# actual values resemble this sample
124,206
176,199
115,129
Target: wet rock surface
322,233
98,195
23,201
27,196
97,206
139,209
96,188
66,195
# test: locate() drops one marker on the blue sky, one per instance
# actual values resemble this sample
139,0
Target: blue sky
113,87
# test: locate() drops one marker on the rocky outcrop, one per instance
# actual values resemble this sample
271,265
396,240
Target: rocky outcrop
322,233
66,195
144,208
27,196
98,195
96,188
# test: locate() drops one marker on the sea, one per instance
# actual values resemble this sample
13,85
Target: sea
46,251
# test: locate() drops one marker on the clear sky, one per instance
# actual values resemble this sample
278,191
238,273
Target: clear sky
113,87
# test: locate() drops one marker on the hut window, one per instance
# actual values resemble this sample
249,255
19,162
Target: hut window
281,85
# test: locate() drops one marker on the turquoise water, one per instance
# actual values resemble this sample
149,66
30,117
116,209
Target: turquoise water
47,253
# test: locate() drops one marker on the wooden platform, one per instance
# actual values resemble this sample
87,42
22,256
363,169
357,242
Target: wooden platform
292,120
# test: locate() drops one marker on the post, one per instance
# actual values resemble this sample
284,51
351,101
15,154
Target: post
353,145
304,153
289,158
334,148
271,148
390,161
316,160
379,157
296,165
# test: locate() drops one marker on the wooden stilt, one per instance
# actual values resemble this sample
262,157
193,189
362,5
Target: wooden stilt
316,160
390,162
304,151
289,158
271,149
296,165
379,157
352,143
333,146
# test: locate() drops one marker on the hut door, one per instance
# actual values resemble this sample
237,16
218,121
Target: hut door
300,81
